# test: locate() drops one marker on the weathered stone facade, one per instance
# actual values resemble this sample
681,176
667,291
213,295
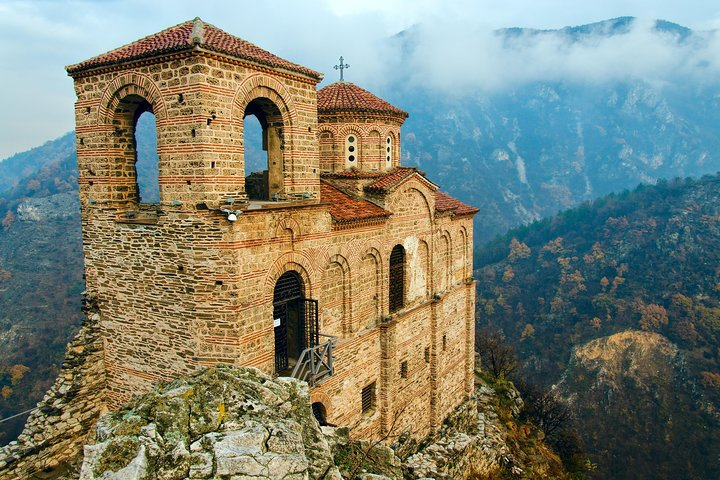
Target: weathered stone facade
192,280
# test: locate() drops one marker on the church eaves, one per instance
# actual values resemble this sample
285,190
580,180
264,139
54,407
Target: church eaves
188,36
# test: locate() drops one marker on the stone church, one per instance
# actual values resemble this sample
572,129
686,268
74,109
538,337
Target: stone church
334,263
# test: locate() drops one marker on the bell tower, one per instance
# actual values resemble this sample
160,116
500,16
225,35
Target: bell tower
200,83
168,285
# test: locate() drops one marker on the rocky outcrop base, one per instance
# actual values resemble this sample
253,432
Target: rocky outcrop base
57,429
225,422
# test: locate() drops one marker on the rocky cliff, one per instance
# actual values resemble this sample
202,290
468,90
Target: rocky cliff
236,422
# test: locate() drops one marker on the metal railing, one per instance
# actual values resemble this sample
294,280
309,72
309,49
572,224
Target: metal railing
316,363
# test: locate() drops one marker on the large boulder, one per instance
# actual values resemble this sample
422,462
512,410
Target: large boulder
225,422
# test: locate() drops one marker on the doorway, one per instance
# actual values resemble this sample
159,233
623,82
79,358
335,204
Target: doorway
296,322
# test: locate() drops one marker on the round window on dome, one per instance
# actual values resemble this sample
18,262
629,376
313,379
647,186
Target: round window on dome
353,147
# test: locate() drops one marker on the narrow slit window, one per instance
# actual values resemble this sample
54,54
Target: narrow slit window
352,151
397,278
368,397
146,165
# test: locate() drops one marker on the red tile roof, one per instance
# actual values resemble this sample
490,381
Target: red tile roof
378,182
187,36
390,178
344,208
446,203
347,97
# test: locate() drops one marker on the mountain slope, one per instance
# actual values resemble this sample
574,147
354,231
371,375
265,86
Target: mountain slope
22,165
532,147
645,261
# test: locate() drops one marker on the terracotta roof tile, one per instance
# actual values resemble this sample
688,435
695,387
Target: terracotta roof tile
446,203
187,36
344,208
348,97
390,179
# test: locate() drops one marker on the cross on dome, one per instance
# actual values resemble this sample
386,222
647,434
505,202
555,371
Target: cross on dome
341,67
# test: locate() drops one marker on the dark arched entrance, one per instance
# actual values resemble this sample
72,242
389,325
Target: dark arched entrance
295,320
320,413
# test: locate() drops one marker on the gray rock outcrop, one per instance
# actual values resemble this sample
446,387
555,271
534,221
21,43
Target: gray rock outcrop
226,422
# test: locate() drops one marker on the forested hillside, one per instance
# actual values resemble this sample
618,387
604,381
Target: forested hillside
617,303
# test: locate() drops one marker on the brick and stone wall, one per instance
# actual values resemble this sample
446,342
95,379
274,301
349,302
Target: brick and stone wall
180,286
372,148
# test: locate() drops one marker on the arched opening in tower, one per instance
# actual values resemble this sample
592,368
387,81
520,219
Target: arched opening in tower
135,138
146,164
263,171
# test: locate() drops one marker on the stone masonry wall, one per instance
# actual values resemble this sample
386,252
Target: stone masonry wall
199,101
55,432
179,286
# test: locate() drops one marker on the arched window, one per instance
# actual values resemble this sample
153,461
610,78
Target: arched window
264,184
135,136
146,164
388,152
397,278
352,151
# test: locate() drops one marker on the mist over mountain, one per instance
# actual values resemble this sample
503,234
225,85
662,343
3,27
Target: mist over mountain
590,114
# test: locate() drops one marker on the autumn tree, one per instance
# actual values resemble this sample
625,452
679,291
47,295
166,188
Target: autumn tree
528,331
508,274
496,356
518,250
652,316
17,372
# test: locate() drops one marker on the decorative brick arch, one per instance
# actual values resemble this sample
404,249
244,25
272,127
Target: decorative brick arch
289,261
373,250
447,256
370,248
327,128
464,246
346,324
263,86
412,187
317,396
347,129
288,223
130,84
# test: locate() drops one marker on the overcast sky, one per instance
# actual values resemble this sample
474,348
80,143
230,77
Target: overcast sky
40,37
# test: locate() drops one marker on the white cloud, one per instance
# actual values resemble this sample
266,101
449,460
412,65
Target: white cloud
461,57
456,50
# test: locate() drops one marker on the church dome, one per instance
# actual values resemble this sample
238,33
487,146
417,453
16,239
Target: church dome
347,98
